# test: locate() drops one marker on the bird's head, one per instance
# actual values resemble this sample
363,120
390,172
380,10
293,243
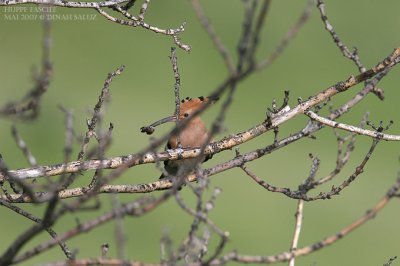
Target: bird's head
188,107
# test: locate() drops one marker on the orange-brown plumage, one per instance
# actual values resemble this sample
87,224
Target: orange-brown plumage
194,134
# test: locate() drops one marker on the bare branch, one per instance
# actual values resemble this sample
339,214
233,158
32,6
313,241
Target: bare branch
351,128
91,123
143,10
21,144
285,256
343,48
114,4
305,187
134,209
290,35
47,221
96,111
27,108
69,133
224,144
390,261
120,238
177,87
99,261
37,220
297,229
341,158
255,38
205,22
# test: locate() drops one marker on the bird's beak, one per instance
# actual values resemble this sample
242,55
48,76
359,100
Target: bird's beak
171,118
150,129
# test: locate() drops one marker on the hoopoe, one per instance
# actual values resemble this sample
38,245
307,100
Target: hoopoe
195,134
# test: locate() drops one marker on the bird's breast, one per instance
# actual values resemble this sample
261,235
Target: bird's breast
195,134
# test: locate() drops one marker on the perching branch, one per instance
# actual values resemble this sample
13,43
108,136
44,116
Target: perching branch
224,144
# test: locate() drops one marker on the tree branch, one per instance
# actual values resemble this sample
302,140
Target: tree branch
224,144
351,128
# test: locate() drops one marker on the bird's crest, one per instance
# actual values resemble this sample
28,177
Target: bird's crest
189,104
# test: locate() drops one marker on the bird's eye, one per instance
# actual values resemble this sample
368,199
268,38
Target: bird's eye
185,114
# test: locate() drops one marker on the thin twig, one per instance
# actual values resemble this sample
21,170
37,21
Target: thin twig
300,194
352,55
115,4
129,5
22,145
207,25
27,108
69,133
37,220
143,10
135,209
174,62
351,128
99,261
290,35
200,215
135,22
11,251
255,38
390,261
297,229
285,256
91,123
96,111
244,48
120,238
343,48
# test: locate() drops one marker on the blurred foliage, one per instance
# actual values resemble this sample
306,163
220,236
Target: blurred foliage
83,52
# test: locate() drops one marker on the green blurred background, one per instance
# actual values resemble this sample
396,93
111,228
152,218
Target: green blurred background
83,52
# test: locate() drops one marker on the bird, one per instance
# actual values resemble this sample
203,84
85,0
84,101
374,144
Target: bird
194,134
